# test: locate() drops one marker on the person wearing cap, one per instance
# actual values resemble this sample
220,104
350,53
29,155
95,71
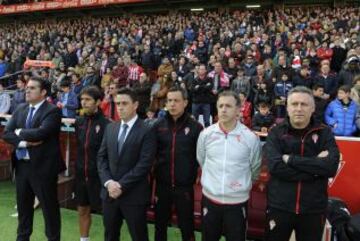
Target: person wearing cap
68,100
350,69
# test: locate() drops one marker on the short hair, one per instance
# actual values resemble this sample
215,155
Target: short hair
230,93
263,104
345,88
44,84
318,86
302,90
130,92
66,82
92,91
183,92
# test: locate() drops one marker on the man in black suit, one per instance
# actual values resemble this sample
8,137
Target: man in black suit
34,131
124,161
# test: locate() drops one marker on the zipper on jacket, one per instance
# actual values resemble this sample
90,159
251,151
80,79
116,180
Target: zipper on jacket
85,150
172,163
299,185
224,166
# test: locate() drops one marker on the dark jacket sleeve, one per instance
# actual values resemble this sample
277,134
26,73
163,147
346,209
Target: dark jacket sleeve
324,167
276,165
143,166
102,158
50,123
256,123
9,133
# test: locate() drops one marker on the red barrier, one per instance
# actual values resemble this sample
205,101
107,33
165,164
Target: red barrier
345,184
59,5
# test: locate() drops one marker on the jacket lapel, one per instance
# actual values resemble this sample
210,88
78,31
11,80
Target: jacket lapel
114,137
36,118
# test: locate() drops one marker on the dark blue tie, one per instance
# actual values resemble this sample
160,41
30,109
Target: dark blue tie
21,152
122,138
29,118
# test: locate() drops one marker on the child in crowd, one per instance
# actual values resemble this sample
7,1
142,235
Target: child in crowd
281,89
320,102
263,119
341,113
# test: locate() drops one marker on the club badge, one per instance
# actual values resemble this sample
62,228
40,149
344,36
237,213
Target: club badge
97,129
187,130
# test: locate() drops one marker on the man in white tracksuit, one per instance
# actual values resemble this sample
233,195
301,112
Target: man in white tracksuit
230,157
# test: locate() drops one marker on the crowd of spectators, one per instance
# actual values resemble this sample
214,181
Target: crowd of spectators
260,55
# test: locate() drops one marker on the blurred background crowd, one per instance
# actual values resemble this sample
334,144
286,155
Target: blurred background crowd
260,55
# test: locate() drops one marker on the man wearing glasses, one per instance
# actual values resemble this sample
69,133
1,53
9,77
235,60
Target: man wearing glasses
34,131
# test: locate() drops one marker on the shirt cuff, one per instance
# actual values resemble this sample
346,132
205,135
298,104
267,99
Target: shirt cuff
22,144
17,131
107,182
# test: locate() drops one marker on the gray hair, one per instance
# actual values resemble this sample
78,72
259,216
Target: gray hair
303,90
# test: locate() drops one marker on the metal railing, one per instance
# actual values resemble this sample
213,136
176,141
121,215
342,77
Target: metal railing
67,126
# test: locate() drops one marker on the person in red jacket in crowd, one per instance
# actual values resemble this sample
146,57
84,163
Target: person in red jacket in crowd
108,106
120,73
324,52
245,110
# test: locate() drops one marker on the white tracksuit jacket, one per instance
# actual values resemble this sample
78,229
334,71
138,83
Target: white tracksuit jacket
229,162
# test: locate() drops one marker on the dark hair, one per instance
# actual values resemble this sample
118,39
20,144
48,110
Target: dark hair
44,84
92,91
345,88
318,86
128,91
264,104
66,82
183,92
230,93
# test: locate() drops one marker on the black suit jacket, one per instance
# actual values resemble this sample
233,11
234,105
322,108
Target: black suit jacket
45,159
132,167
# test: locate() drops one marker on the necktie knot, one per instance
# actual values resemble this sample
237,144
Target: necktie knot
125,126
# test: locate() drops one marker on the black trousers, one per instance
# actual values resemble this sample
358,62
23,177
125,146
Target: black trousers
280,224
183,199
114,213
218,219
27,186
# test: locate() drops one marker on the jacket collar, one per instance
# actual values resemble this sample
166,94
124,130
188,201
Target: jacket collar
239,128
179,122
